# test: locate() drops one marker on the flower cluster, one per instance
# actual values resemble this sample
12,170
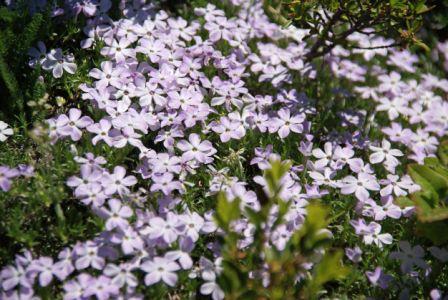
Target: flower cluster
185,97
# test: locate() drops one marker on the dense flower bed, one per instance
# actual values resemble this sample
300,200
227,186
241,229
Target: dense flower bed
203,105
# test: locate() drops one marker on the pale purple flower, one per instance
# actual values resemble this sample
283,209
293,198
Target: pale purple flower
64,267
380,212
354,254
193,224
72,124
6,174
11,276
117,215
182,257
409,257
118,181
87,255
220,28
439,253
101,130
160,268
165,183
371,233
213,289
165,163
168,229
121,275
101,288
228,129
109,75
196,149
395,186
129,240
58,63
324,178
359,186
284,123
38,55
118,50
379,278
44,267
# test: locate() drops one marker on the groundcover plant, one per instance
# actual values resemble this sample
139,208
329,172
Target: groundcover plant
192,151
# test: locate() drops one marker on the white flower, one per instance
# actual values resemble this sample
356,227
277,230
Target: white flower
213,289
385,153
323,157
5,131
57,62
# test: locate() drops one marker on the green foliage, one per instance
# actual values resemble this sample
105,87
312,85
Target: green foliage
281,267
431,200
18,32
332,21
39,212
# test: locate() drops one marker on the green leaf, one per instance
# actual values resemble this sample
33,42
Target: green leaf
431,182
274,174
226,211
443,152
403,202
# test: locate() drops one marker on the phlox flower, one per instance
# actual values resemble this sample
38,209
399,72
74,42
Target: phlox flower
45,268
118,50
6,174
220,28
386,154
354,254
5,131
196,149
359,186
168,229
128,239
379,278
102,288
380,212
285,123
11,276
397,187
117,214
165,183
182,257
76,288
121,274
409,257
324,157
193,223
228,129
118,181
160,268
323,178
72,124
87,255
371,233
109,75
58,63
